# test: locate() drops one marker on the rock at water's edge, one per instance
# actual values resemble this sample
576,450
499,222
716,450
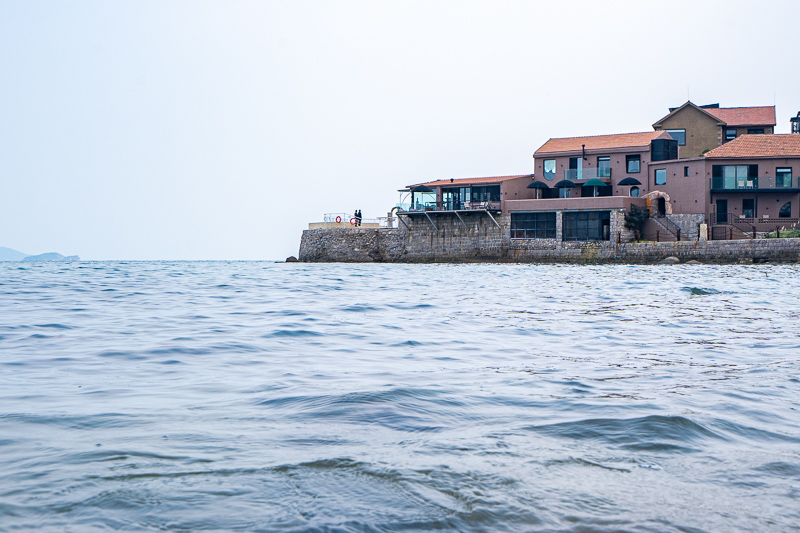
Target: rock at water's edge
671,260
291,259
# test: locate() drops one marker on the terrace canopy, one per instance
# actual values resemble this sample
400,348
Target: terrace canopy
538,185
594,183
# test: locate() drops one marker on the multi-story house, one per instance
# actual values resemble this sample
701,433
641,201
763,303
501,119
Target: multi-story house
686,177
699,129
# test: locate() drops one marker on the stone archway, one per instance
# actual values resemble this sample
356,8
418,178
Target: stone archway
656,198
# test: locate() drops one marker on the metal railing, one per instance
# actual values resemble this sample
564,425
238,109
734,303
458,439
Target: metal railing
662,220
762,182
573,174
348,220
448,206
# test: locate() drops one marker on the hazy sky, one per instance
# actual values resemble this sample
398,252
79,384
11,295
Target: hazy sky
219,129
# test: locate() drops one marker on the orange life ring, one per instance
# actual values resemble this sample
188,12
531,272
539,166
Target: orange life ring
338,220
353,221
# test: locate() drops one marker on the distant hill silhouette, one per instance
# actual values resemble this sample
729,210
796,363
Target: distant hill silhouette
51,256
7,254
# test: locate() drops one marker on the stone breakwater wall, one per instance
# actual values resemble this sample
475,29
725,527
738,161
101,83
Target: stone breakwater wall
478,239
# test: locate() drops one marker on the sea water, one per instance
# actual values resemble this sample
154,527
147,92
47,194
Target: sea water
246,396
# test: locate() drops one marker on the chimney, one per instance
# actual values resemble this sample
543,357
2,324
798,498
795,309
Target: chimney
795,123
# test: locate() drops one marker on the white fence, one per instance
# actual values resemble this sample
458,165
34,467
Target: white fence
348,220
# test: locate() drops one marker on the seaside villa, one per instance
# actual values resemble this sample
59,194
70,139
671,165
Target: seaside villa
703,172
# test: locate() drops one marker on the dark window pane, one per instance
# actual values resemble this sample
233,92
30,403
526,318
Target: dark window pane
632,163
786,210
678,135
533,225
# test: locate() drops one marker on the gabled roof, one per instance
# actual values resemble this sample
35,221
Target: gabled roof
767,145
745,116
730,116
705,110
601,142
460,182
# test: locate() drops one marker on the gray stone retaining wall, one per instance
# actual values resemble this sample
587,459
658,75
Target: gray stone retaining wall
479,239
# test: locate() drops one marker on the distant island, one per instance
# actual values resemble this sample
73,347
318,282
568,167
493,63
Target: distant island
8,254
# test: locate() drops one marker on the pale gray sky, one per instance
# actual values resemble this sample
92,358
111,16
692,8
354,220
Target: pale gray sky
219,129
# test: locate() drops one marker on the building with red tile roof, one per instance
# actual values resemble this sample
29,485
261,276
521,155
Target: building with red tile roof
699,129
775,145
702,165
745,116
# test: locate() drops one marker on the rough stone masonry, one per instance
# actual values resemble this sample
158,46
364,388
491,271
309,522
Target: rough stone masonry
478,239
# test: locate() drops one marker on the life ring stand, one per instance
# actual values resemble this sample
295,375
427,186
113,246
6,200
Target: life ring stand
338,220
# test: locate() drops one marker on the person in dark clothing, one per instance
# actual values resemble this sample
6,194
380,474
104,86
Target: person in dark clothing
358,217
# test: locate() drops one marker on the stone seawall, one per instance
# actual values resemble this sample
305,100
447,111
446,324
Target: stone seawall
477,238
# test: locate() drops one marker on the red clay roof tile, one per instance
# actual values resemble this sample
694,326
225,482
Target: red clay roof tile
745,116
767,145
458,182
601,142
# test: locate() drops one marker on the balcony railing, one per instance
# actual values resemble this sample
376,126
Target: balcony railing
573,174
448,206
763,182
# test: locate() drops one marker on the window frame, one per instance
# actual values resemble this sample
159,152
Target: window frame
530,225
783,170
544,169
682,131
728,136
633,159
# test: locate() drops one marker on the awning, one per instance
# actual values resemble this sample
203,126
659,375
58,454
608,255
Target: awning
630,181
565,184
538,185
594,182
421,188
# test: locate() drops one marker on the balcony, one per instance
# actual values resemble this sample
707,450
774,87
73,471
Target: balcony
758,184
422,207
587,173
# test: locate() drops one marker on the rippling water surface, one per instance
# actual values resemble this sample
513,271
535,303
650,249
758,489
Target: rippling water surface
194,396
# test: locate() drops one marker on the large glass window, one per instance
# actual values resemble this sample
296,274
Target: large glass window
563,192
603,167
783,177
661,176
423,200
663,149
734,176
678,135
730,134
486,193
632,163
586,225
549,167
533,225
786,210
